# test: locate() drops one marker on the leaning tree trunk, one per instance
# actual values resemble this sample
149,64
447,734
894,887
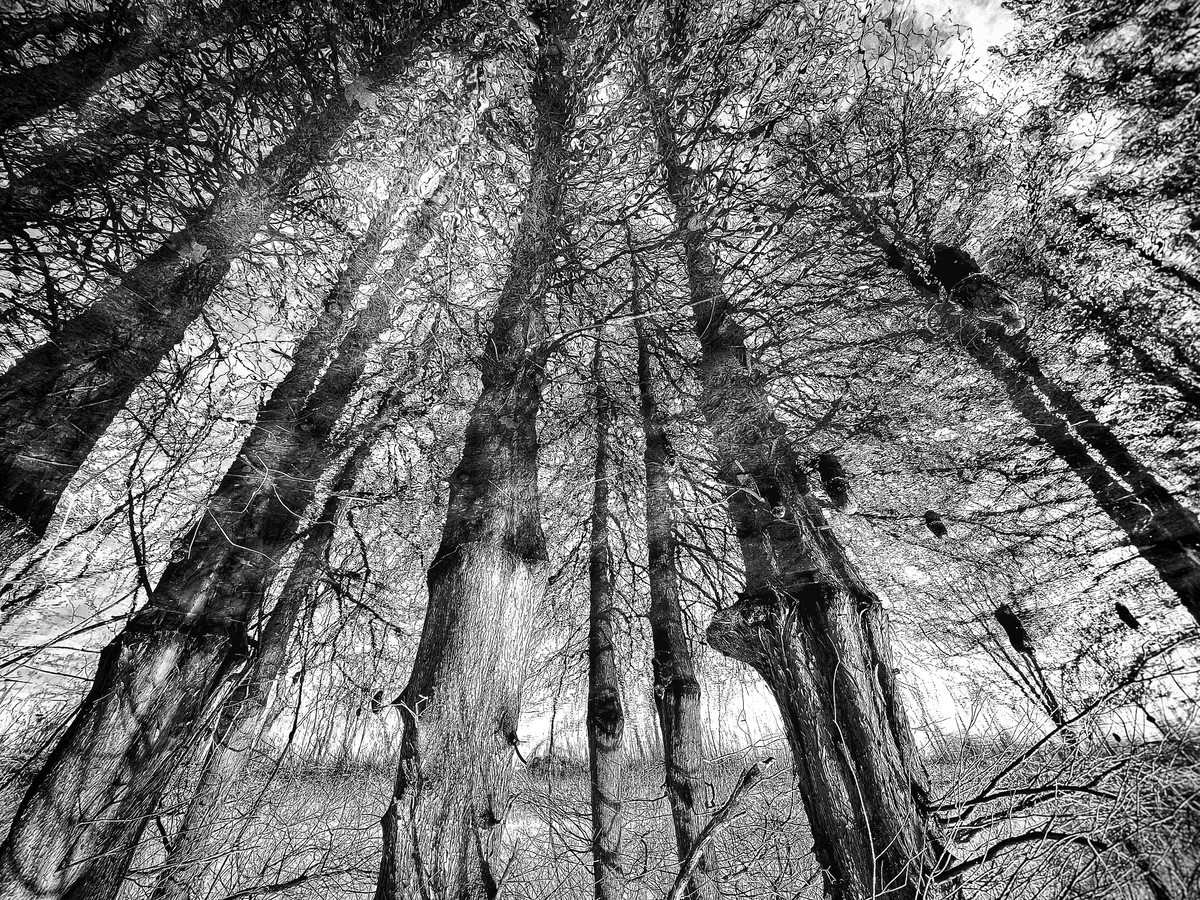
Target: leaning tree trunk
76,75
462,702
195,847
606,717
65,170
1164,531
168,671
676,688
808,623
58,399
73,78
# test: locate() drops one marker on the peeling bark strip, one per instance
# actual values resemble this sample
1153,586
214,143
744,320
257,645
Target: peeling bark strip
676,689
166,674
1165,532
61,396
463,699
606,717
809,623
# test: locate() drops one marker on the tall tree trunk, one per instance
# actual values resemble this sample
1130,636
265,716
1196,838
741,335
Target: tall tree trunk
808,623
194,849
676,689
58,399
462,702
76,75
1165,533
63,171
168,671
1163,530
606,717
150,33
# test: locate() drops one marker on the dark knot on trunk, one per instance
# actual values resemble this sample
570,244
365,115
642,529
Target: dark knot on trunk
749,629
606,718
835,479
933,521
969,287
1018,637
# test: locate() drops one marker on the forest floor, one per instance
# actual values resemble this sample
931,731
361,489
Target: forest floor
314,832
308,831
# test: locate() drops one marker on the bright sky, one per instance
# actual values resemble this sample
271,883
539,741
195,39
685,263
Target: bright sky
990,23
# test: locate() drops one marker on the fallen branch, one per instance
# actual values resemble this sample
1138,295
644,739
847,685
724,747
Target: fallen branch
720,819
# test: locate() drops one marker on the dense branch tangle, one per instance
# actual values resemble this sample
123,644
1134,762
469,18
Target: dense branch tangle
190,677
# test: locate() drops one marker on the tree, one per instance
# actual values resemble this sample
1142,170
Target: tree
462,702
605,720
982,320
172,666
808,622
247,709
887,178
125,42
676,688
60,397
1121,75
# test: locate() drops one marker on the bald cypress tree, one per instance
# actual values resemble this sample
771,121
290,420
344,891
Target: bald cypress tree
807,622
58,399
158,682
676,688
463,699
605,717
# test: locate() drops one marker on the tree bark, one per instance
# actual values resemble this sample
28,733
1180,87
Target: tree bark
676,688
58,399
161,679
70,80
606,717
1165,533
462,703
76,75
20,34
808,623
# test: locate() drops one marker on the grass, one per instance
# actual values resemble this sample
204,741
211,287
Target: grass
299,830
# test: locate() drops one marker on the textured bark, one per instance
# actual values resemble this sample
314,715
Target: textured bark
243,716
606,716
676,689
21,33
58,399
1164,531
808,622
167,673
66,170
71,79
463,700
